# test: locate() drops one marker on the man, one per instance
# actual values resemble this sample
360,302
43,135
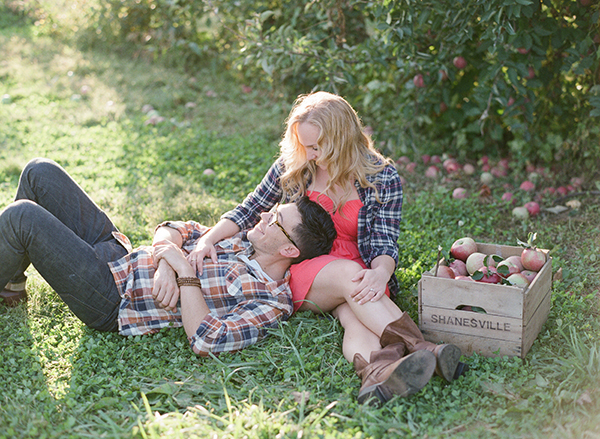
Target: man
75,247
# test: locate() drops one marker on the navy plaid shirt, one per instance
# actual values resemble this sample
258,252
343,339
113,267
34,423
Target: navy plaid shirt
378,222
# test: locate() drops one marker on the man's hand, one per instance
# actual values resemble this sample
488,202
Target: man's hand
203,249
165,289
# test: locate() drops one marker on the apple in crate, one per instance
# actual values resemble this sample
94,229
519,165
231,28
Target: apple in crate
487,275
530,275
518,280
475,262
462,248
459,267
533,259
446,272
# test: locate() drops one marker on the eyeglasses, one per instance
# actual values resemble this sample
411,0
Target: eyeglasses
275,220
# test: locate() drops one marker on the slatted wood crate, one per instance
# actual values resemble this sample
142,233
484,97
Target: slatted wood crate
513,316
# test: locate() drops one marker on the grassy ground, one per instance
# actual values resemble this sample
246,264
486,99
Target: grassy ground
60,379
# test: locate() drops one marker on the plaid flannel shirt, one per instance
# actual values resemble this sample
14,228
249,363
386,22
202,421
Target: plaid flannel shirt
378,222
243,301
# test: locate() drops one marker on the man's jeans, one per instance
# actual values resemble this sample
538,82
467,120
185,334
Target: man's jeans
54,225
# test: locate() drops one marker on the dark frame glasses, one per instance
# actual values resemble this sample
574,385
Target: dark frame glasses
275,220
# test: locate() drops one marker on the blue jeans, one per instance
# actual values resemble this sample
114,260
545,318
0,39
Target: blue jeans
54,225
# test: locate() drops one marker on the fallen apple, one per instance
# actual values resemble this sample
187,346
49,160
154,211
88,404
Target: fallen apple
431,172
469,169
520,213
462,248
527,186
459,193
532,207
486,177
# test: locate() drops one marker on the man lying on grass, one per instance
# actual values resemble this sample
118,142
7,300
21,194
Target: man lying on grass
240,293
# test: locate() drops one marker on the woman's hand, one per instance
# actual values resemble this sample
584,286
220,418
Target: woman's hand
371,285
203,249
165,289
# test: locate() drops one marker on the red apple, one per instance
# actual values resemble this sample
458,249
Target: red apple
518,280
475,262
459,62
443,107
426,158
459,193
529,274
431,172
562,190
511,101
446,272
523,51
532,207
418,81
436,159
516,260
533,259
459,268
469,169
470,279
527,186
508,197
462,248
490,276
507,268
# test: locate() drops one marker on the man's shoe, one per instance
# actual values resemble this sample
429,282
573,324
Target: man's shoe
13,294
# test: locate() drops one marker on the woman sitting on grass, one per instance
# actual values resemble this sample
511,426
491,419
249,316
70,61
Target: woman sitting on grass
326,155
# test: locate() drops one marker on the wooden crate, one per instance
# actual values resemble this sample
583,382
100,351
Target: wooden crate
513,319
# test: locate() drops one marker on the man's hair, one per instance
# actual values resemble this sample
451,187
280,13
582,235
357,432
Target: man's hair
315,233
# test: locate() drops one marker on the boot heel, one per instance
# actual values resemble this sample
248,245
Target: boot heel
448,357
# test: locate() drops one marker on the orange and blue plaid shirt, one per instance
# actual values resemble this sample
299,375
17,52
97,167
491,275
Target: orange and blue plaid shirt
243,301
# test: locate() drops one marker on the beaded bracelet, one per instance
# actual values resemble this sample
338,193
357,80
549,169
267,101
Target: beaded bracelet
188,282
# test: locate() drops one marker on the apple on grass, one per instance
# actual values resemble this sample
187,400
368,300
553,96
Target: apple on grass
462,248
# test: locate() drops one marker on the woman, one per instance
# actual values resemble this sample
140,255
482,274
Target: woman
326,155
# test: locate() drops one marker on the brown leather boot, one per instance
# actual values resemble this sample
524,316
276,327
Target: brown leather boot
405,330
389,373
13,294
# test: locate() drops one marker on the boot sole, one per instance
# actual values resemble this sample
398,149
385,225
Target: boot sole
448,358
411,375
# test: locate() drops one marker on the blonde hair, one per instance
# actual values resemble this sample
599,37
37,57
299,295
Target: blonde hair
346,149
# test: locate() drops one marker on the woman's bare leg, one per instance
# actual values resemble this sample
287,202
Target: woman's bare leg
358,339
332,287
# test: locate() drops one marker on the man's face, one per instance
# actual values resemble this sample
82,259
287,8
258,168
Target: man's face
268,236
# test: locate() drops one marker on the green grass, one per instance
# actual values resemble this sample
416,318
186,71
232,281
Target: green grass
60,379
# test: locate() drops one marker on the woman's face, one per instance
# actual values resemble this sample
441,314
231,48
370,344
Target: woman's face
308,135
